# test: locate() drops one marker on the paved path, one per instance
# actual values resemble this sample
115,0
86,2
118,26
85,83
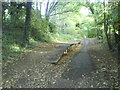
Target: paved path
33,65
80,65
59,51
77,72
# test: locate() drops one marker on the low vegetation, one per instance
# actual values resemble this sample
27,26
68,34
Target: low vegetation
26,23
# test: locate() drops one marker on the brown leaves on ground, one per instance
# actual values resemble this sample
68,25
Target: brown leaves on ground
70,52
30,71
106,74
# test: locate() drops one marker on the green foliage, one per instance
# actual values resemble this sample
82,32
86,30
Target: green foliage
52,28
41,29
10,45
69,24
13,25
63,37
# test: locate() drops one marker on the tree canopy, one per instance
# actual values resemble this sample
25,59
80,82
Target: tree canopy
53,21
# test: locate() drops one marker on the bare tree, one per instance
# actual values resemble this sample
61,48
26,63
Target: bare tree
50,7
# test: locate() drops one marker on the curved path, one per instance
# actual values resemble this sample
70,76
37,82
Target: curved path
93,66
80,64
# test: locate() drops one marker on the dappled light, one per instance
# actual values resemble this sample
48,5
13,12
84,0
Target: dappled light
60,44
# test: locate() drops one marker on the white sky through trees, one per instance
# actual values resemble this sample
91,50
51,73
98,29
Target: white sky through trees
83,10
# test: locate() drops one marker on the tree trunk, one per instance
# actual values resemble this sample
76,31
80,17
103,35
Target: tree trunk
40,9
13,13
107,36
46,11
27,24
37,5
115,36
119,32
1,18
106,28
3,15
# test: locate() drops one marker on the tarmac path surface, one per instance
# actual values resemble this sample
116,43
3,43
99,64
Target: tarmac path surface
85,65
80,64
